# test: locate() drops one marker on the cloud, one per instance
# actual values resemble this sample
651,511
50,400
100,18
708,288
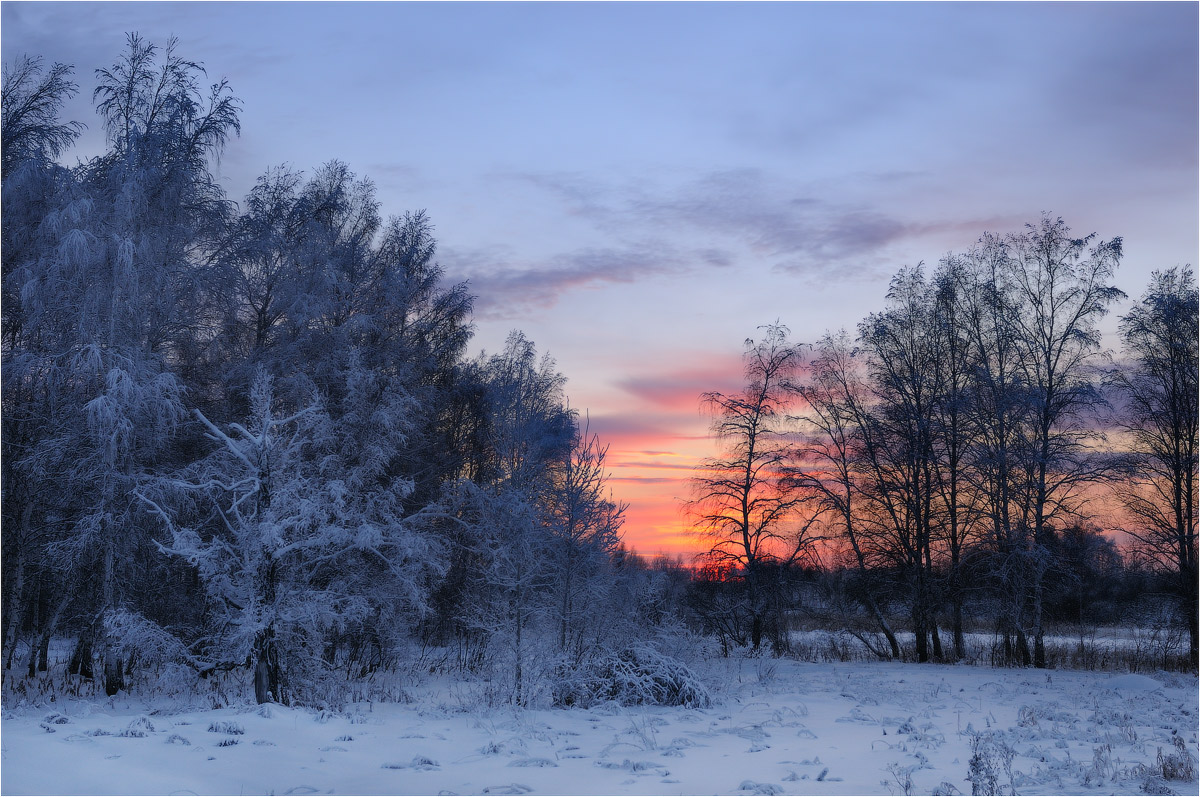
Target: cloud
636,465
717,220
680,391
794,231
506,290
632,431
746,210
642,480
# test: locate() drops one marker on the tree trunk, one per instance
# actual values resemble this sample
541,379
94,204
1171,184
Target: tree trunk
1192,612
47,631
921,632
33,657
960,641
268,675
81,657
13,607
884,626
1039,632
262,678
1023,647
114,676
519,671
44,653
756,631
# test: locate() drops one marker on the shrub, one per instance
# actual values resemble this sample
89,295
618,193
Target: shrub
633,676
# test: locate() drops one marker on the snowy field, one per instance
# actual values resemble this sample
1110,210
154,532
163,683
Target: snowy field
778,727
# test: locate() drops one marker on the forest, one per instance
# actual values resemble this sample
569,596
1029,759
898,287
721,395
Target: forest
246,440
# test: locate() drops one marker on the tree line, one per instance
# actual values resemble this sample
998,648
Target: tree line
958,449
247,437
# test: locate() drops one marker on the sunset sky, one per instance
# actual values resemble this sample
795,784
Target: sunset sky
639,186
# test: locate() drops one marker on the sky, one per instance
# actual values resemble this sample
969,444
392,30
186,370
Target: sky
641,186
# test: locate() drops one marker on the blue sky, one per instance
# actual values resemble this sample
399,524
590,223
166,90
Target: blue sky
639,186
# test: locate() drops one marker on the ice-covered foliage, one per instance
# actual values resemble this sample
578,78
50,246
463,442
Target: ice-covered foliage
104,280
637,675
139,305
298,504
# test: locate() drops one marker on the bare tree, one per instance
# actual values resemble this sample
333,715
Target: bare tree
899,442
1159,490
959,505
745,503
829,461
997,419
1063,287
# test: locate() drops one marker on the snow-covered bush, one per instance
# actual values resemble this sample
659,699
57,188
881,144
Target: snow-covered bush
637,675
991,758
1179,765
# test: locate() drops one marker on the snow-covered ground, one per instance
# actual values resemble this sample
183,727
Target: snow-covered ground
778,727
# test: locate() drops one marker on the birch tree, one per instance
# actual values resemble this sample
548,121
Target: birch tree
1063,284
1159,488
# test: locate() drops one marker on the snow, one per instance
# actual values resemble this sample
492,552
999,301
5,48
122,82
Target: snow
1134,683
778,727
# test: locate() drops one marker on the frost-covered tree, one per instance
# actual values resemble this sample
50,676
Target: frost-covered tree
306,516
106,294
33,186
998,423
299,505
958,504
30,128
529,433
585,524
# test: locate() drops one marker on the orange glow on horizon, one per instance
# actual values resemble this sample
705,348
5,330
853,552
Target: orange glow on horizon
652,473
655,482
